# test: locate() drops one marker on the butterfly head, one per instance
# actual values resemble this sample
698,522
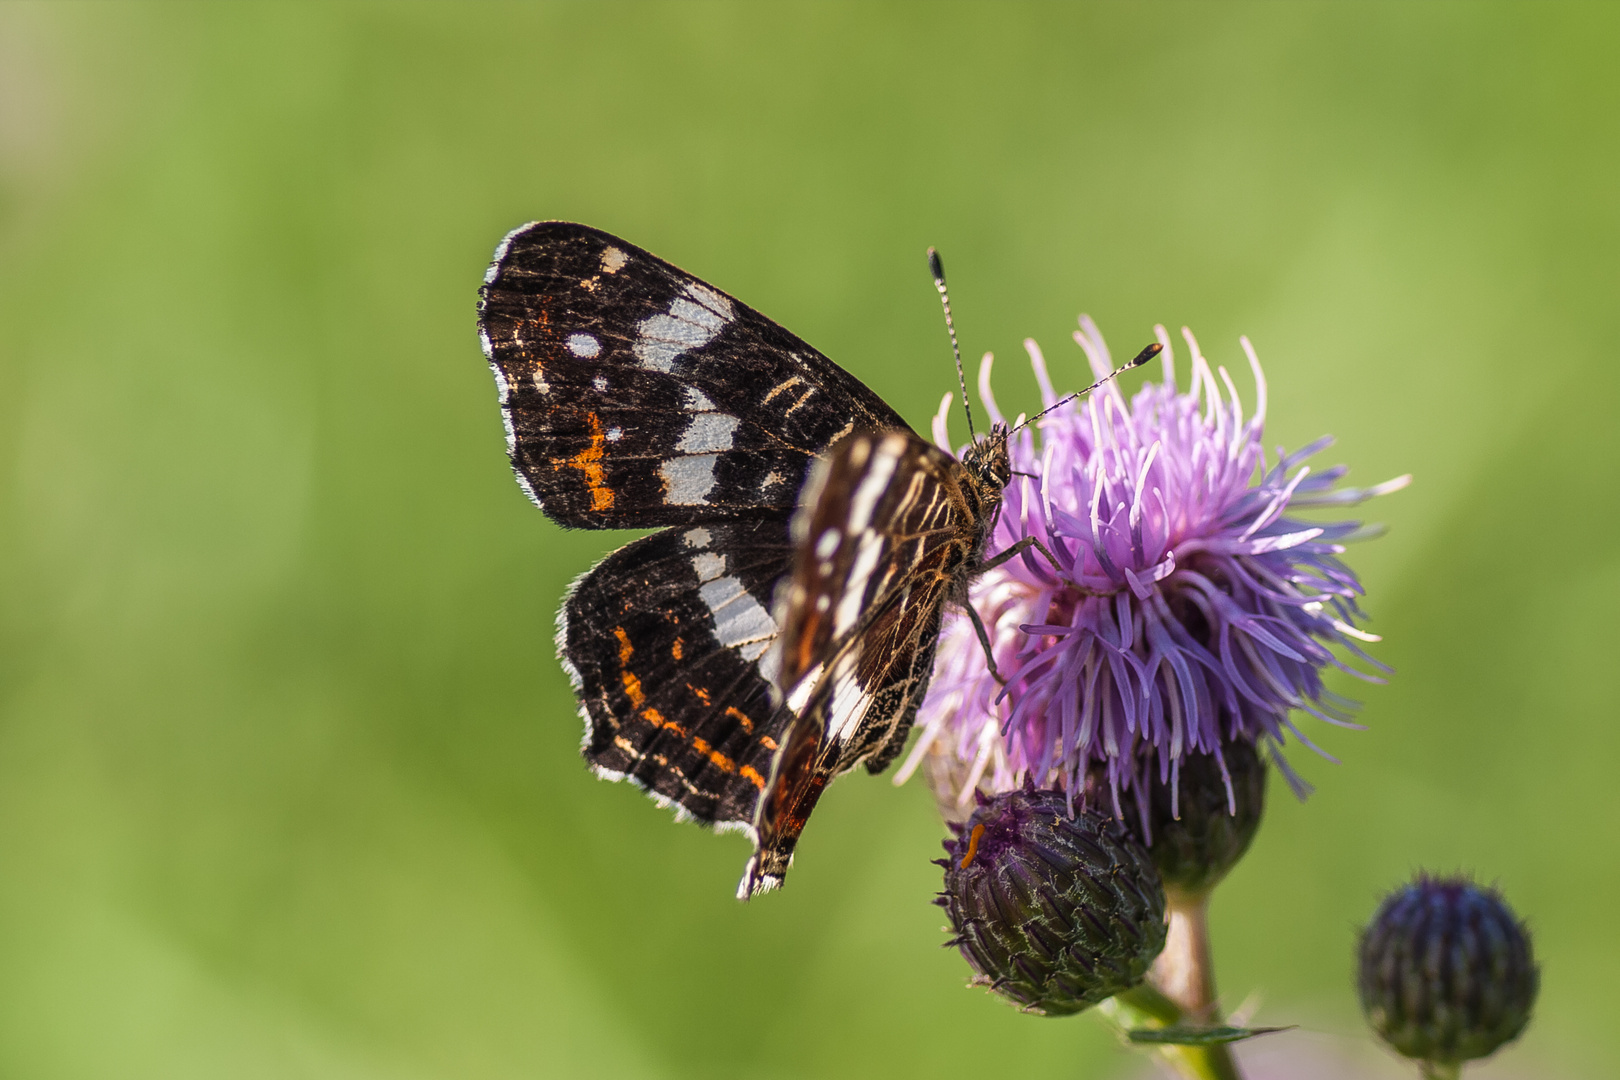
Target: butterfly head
988,459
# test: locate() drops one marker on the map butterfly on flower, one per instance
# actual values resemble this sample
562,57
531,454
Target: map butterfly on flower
780,629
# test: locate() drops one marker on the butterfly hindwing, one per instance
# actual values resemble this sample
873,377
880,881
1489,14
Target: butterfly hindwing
637,395
668,641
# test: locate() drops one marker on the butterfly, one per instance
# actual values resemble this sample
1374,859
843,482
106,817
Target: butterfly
780,629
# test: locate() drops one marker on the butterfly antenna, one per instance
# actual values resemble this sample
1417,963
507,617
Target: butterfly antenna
937,268
1141,358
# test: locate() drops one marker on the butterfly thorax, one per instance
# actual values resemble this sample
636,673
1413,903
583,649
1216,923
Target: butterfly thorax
988,467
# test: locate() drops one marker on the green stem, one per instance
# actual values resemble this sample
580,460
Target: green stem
1185,971
1441,1070
1201,1062
1184,975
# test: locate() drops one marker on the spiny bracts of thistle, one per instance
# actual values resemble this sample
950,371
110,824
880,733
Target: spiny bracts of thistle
1446,974
1197,831
1186,610
1055,911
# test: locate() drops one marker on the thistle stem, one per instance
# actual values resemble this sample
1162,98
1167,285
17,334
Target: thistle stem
1185,971
1185,974
1438,1070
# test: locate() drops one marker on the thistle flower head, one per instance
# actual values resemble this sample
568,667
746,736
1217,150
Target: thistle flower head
1056,910
1186,609
1446,973
1197,830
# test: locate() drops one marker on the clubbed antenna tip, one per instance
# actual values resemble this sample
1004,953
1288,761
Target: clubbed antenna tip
1144,356
937,268
1141,358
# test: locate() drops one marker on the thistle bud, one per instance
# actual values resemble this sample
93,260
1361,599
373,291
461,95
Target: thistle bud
1446,972
1055,912
1199,824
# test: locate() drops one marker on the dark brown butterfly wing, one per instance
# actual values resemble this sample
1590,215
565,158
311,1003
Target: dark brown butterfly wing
636,395
887,532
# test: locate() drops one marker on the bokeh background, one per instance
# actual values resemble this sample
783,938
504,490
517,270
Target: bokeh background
289,782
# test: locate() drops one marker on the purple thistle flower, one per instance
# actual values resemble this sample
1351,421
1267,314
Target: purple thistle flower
1189,610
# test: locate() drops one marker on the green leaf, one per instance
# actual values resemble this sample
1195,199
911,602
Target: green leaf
1198,1036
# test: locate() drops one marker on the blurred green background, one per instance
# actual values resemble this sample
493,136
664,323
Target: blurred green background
289,781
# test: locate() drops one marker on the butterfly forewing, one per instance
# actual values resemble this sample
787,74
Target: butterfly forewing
636,395
875,519
887,533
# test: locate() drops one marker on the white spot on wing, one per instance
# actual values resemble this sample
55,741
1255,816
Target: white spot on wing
827,544
854,592
707,432
698,401
688,480
708,566
613,260
740,621
874,482
698,537
711,300
849,700
769,664
584,345
600,383
799,696
614,434
696,316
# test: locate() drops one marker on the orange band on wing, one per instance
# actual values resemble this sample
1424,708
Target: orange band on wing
589,462
656,719
632,685
720,761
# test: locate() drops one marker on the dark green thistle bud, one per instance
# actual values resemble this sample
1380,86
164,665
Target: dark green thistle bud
1446,972
1199,824
1053,911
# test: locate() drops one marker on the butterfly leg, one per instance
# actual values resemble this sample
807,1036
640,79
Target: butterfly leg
984,640
1019,548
